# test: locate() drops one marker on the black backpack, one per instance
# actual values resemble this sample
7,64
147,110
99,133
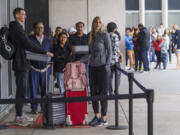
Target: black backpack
7,50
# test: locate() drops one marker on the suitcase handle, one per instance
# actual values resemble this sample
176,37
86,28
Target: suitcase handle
51,79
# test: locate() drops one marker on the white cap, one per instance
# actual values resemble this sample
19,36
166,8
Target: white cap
72,29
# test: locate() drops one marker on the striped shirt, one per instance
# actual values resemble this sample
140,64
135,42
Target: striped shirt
115,47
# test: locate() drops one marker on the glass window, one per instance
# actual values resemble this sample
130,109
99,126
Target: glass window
153,4
132,19
173,4
173,18
153,19
132,4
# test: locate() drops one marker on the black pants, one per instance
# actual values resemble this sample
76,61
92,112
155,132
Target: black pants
126,58
158,55
98,81
138,61
117,73
21,89
170,53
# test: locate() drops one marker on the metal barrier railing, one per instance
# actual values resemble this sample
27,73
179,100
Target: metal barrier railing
147,94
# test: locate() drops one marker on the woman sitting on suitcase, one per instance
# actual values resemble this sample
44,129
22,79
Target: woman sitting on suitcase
99,69
63,54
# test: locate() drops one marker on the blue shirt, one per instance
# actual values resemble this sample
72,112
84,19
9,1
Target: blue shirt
129,43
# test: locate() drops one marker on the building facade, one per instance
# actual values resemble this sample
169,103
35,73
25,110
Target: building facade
152,12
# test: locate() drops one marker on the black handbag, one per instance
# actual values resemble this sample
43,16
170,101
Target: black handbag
7,50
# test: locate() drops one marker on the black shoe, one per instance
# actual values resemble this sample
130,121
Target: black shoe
94,121
34,111
111,94
56,85
101,122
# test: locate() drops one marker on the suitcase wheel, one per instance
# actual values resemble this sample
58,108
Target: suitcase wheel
85,122
68,120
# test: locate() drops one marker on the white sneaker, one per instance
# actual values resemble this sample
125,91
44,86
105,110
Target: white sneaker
21,122
25,117
131,70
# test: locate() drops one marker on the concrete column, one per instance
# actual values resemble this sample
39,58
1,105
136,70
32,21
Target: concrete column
142,12
122,26
165,13
50,14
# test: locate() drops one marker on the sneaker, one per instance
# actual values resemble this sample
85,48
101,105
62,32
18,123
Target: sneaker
94,121
34,111
21,122
27,118
101,122
131,70
140,71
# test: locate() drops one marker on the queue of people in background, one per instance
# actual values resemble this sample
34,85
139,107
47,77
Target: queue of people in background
146,44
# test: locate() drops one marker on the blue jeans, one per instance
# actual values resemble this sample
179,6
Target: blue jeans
144,57
60,81
164,59
152,54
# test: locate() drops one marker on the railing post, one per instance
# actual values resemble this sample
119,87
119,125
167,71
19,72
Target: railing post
116,126
150,101
130,78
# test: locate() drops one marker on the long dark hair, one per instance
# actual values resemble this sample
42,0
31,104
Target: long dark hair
63,33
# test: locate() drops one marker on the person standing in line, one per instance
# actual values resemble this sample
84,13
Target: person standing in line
152,51
164,52
161,30
21,65
138,61
177,48
117,57
167,40
130,49
80,39
40,71
158,51
63,54
99,69
144,42
57,32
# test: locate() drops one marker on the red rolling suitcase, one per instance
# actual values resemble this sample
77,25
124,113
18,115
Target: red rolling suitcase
76,113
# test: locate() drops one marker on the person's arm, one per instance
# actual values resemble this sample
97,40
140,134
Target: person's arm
128,41
70,56
26,43
121,56
108,47
161,45
57,56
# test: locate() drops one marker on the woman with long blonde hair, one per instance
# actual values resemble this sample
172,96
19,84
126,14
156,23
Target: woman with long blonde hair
99,69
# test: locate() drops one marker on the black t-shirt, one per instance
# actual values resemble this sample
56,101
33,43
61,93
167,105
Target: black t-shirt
75,40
